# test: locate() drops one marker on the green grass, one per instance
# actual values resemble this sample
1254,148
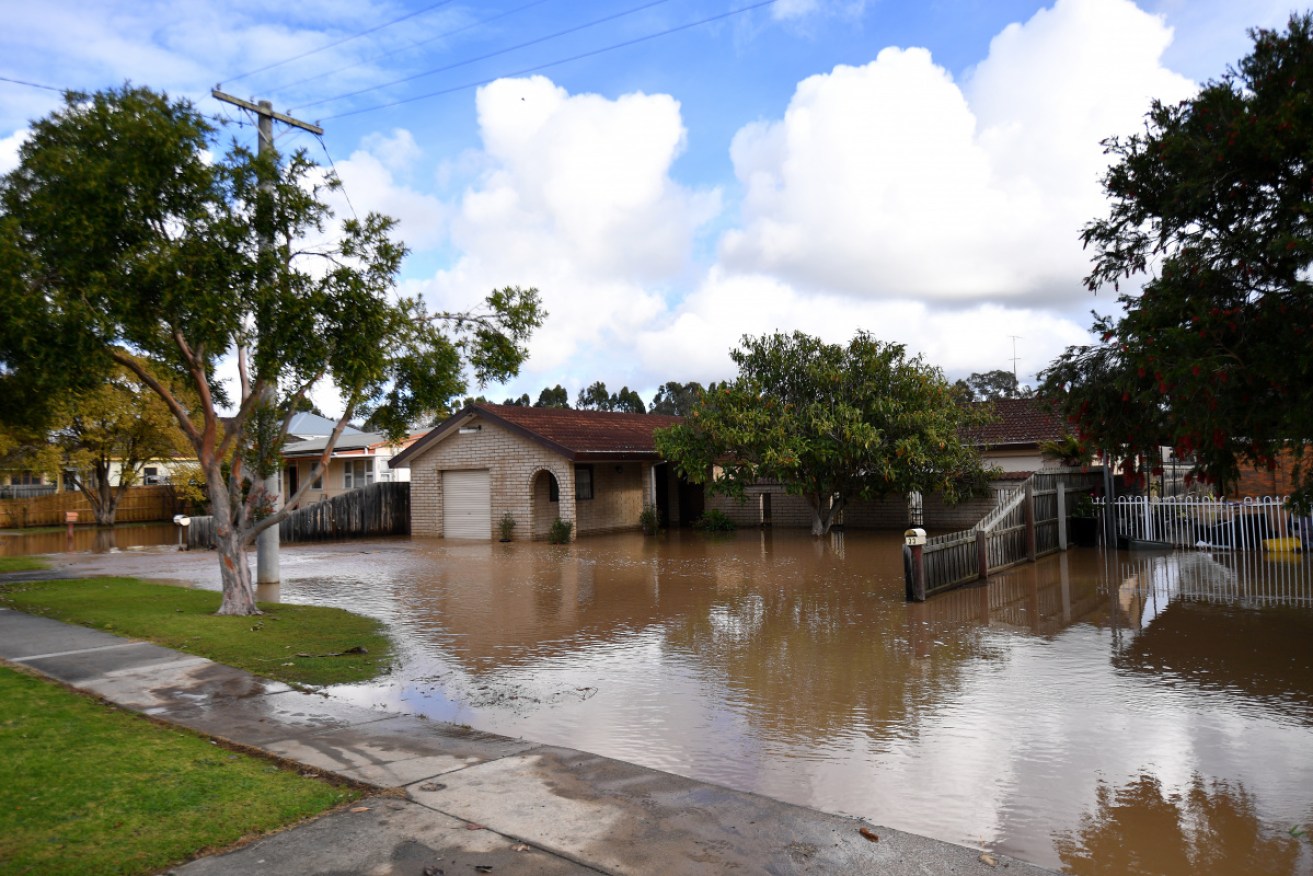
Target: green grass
271,644
90,789
22,564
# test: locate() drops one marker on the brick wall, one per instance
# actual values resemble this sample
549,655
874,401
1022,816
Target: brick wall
518,482
793,512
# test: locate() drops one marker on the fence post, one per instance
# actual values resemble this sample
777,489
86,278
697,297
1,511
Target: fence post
1062,516
914,573
1030,521
982,553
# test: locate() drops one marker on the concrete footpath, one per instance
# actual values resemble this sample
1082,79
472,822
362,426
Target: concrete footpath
459,801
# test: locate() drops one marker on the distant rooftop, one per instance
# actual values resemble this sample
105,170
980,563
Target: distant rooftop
1020,421
308,425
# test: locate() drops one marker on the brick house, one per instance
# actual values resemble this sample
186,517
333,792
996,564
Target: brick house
592,468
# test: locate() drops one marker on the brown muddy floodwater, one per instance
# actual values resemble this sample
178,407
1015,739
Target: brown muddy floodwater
1116,713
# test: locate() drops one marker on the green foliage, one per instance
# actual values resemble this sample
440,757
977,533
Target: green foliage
522,401
831,423
1068,450
506,526
676,399
1210,206
715,520
991,385
100,790
649,520
124,229
555,397
298,644
560,531
596,398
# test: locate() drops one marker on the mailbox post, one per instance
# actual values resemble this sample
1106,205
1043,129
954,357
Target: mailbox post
70,518
913,566
182,521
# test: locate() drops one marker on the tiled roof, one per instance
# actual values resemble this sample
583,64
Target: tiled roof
1020,421
576,435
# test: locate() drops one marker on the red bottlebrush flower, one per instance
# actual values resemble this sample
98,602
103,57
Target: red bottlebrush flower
1195,369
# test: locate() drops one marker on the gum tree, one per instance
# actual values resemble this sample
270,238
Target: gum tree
831,423
1210,208
127,241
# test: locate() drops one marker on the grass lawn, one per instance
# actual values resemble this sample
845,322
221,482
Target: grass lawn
298,644
90,789
22,564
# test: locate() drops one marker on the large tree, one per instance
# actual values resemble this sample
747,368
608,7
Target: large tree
1211,209
831,423
128,239
991,385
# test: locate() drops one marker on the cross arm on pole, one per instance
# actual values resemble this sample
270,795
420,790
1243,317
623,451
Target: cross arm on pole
266,111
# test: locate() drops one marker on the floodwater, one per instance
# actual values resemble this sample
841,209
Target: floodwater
49,540
1096,713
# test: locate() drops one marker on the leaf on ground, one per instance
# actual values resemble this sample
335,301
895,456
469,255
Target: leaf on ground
869,834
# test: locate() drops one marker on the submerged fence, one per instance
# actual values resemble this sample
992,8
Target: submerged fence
1026,523
1204,522
378,509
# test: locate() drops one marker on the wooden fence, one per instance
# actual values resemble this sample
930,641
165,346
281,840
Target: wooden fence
138,505
1026,523
379,509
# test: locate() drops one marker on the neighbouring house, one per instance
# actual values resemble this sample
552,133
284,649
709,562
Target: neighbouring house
1012,442
359,459
594,469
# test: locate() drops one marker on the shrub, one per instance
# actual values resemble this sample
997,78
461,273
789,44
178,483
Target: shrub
506,526
715,521
560,531
649,520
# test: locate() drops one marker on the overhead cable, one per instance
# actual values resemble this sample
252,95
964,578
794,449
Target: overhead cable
468,61
556,63
338,42
410,46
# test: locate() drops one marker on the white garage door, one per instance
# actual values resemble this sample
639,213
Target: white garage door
466,504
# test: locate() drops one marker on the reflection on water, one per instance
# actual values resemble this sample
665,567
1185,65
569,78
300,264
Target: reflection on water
1210,828
134,536
1069,713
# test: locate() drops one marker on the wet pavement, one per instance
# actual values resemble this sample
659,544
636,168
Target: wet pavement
1101,713
466,801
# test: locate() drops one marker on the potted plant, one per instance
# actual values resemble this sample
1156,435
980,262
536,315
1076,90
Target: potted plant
506,526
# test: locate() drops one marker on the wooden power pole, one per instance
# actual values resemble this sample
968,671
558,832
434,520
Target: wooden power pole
267,569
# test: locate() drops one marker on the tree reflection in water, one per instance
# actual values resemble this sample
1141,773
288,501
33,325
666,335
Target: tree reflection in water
1137,830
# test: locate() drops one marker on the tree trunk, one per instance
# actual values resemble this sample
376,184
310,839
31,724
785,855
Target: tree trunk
234,572
822,514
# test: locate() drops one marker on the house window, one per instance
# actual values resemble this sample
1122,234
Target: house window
319,477
358,473
583,482
151,475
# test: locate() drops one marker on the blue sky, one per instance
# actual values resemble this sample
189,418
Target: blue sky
917,170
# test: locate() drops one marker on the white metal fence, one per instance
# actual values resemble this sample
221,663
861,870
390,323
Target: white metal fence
1200,521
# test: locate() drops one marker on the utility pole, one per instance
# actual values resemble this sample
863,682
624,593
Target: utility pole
267,569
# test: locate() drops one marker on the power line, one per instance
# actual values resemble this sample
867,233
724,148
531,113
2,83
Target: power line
524,45
34,84
339,42
333,165
413,45
556,63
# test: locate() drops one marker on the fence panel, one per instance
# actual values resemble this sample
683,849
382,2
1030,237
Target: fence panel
953,559
138,505
375,510
1205,522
